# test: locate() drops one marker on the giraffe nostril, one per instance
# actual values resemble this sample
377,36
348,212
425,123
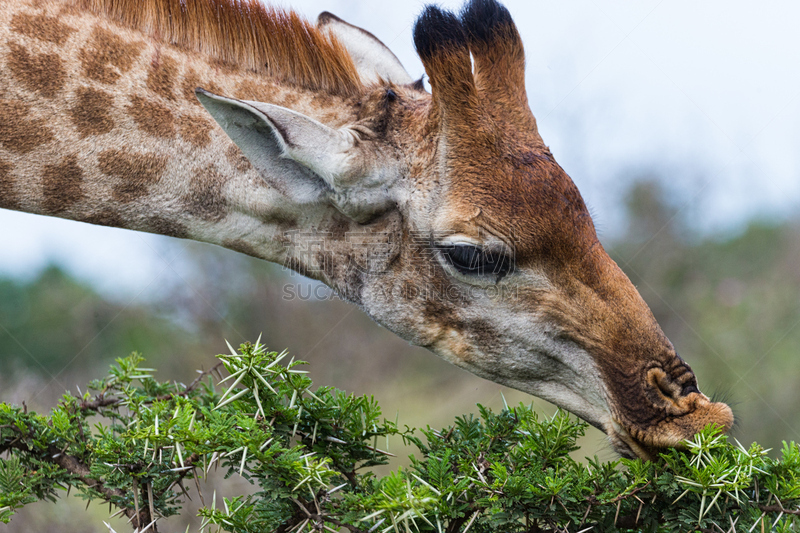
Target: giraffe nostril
689,388
664,389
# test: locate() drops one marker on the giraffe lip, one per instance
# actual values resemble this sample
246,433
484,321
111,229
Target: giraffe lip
672,432
628,446
624,450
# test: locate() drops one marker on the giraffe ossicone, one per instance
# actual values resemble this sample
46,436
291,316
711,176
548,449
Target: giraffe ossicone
442,215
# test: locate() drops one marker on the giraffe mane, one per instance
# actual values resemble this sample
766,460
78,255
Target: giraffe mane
245,33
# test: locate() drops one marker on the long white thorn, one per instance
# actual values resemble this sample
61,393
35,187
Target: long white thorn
233,352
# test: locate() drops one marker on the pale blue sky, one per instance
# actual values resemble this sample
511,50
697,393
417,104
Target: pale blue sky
706,94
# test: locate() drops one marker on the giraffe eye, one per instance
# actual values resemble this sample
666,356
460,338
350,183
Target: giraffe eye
472,260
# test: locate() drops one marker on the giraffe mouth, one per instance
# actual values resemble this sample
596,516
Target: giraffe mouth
627,446
645,443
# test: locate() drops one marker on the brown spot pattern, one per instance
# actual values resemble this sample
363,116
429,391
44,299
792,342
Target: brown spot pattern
42,73
90,113
106,217
62,185
191,82
237,159
136,171
195,130
41,27
205,195
263,91
152,117
69,9
481,332
165,226
17,132
107,55
436,310
8,198
339,227
161,76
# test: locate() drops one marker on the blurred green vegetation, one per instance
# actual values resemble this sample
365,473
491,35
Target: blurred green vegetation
53,319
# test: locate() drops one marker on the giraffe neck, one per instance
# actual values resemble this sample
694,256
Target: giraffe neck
100,124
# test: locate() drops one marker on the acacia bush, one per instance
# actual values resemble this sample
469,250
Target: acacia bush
142,445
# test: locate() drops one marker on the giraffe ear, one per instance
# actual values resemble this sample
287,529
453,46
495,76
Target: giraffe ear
373,59
265,131
319,162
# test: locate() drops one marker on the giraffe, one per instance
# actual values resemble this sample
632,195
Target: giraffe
442,215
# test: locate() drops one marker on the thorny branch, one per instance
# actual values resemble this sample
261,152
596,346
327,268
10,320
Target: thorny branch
101,401
779,509
81,471
303,514
521,459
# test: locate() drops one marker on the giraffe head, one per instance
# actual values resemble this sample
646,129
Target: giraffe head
446,218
